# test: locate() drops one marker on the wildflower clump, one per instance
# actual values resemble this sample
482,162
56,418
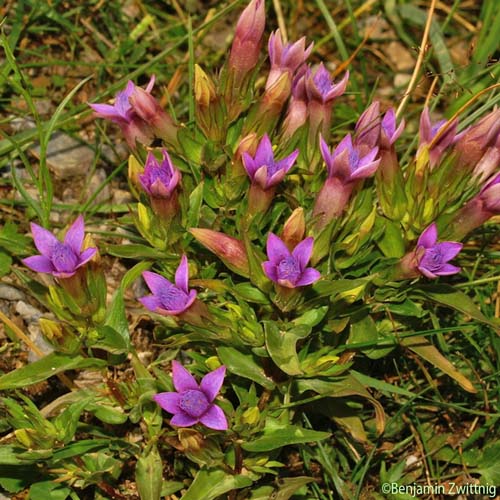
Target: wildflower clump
278,242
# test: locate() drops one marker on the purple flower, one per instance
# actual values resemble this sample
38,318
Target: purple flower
346,162
287,268
263,169
169,299
61,259
193,403
159,179
368,128
285,58
320,86
428,131
389,134
490,195
122,112
433,257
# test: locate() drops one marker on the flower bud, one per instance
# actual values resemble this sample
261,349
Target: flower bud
204,88
230,250
294,229
248,37
251,416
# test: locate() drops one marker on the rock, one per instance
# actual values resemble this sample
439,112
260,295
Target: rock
39,340
66,157
97,179
400,56
28,312
120,197
8,292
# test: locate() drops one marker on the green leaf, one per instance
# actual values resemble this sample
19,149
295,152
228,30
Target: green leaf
116,318
9,455
426,350
110,340
392,243
211,483
348,290
48,490
448,296
5,263
45,368
277,435
195,201
289,485
251,294
380,385
312,317
148,475
488,464
281,346
134,251
16,478
244,365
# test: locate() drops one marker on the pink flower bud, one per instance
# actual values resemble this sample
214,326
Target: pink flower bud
248,37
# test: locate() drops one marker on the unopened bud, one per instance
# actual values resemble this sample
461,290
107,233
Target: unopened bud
204,89
294,229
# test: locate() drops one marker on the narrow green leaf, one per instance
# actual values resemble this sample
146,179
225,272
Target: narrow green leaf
45,368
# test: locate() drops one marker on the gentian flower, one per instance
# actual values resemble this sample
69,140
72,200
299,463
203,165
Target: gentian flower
139,115
247,38
122,113
169,299
193,403
389,134
285,58
346,161
368,128
159,179
320,86
296,115
286,268
262,169
433,257
61,259
346,166
429,258
428,131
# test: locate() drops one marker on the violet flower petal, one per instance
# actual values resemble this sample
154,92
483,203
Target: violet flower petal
39,263
86,255
75,235
270,270
448,249
276,249
150,302
448,269
155,282
44,240
309,276
212,382
182,379
214,418
182,419
429,237
264,154
302,252
182,275
169,401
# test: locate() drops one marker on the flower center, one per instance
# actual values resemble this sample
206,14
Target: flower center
433,259
63,258
194,403
323,82
173,299
162,174
353,159
288,270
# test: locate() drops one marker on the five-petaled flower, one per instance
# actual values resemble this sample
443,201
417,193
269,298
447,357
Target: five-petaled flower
285,58
346,161
263,169
169,299
321,87
287,268
432,257
193,403
61,259
159,180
